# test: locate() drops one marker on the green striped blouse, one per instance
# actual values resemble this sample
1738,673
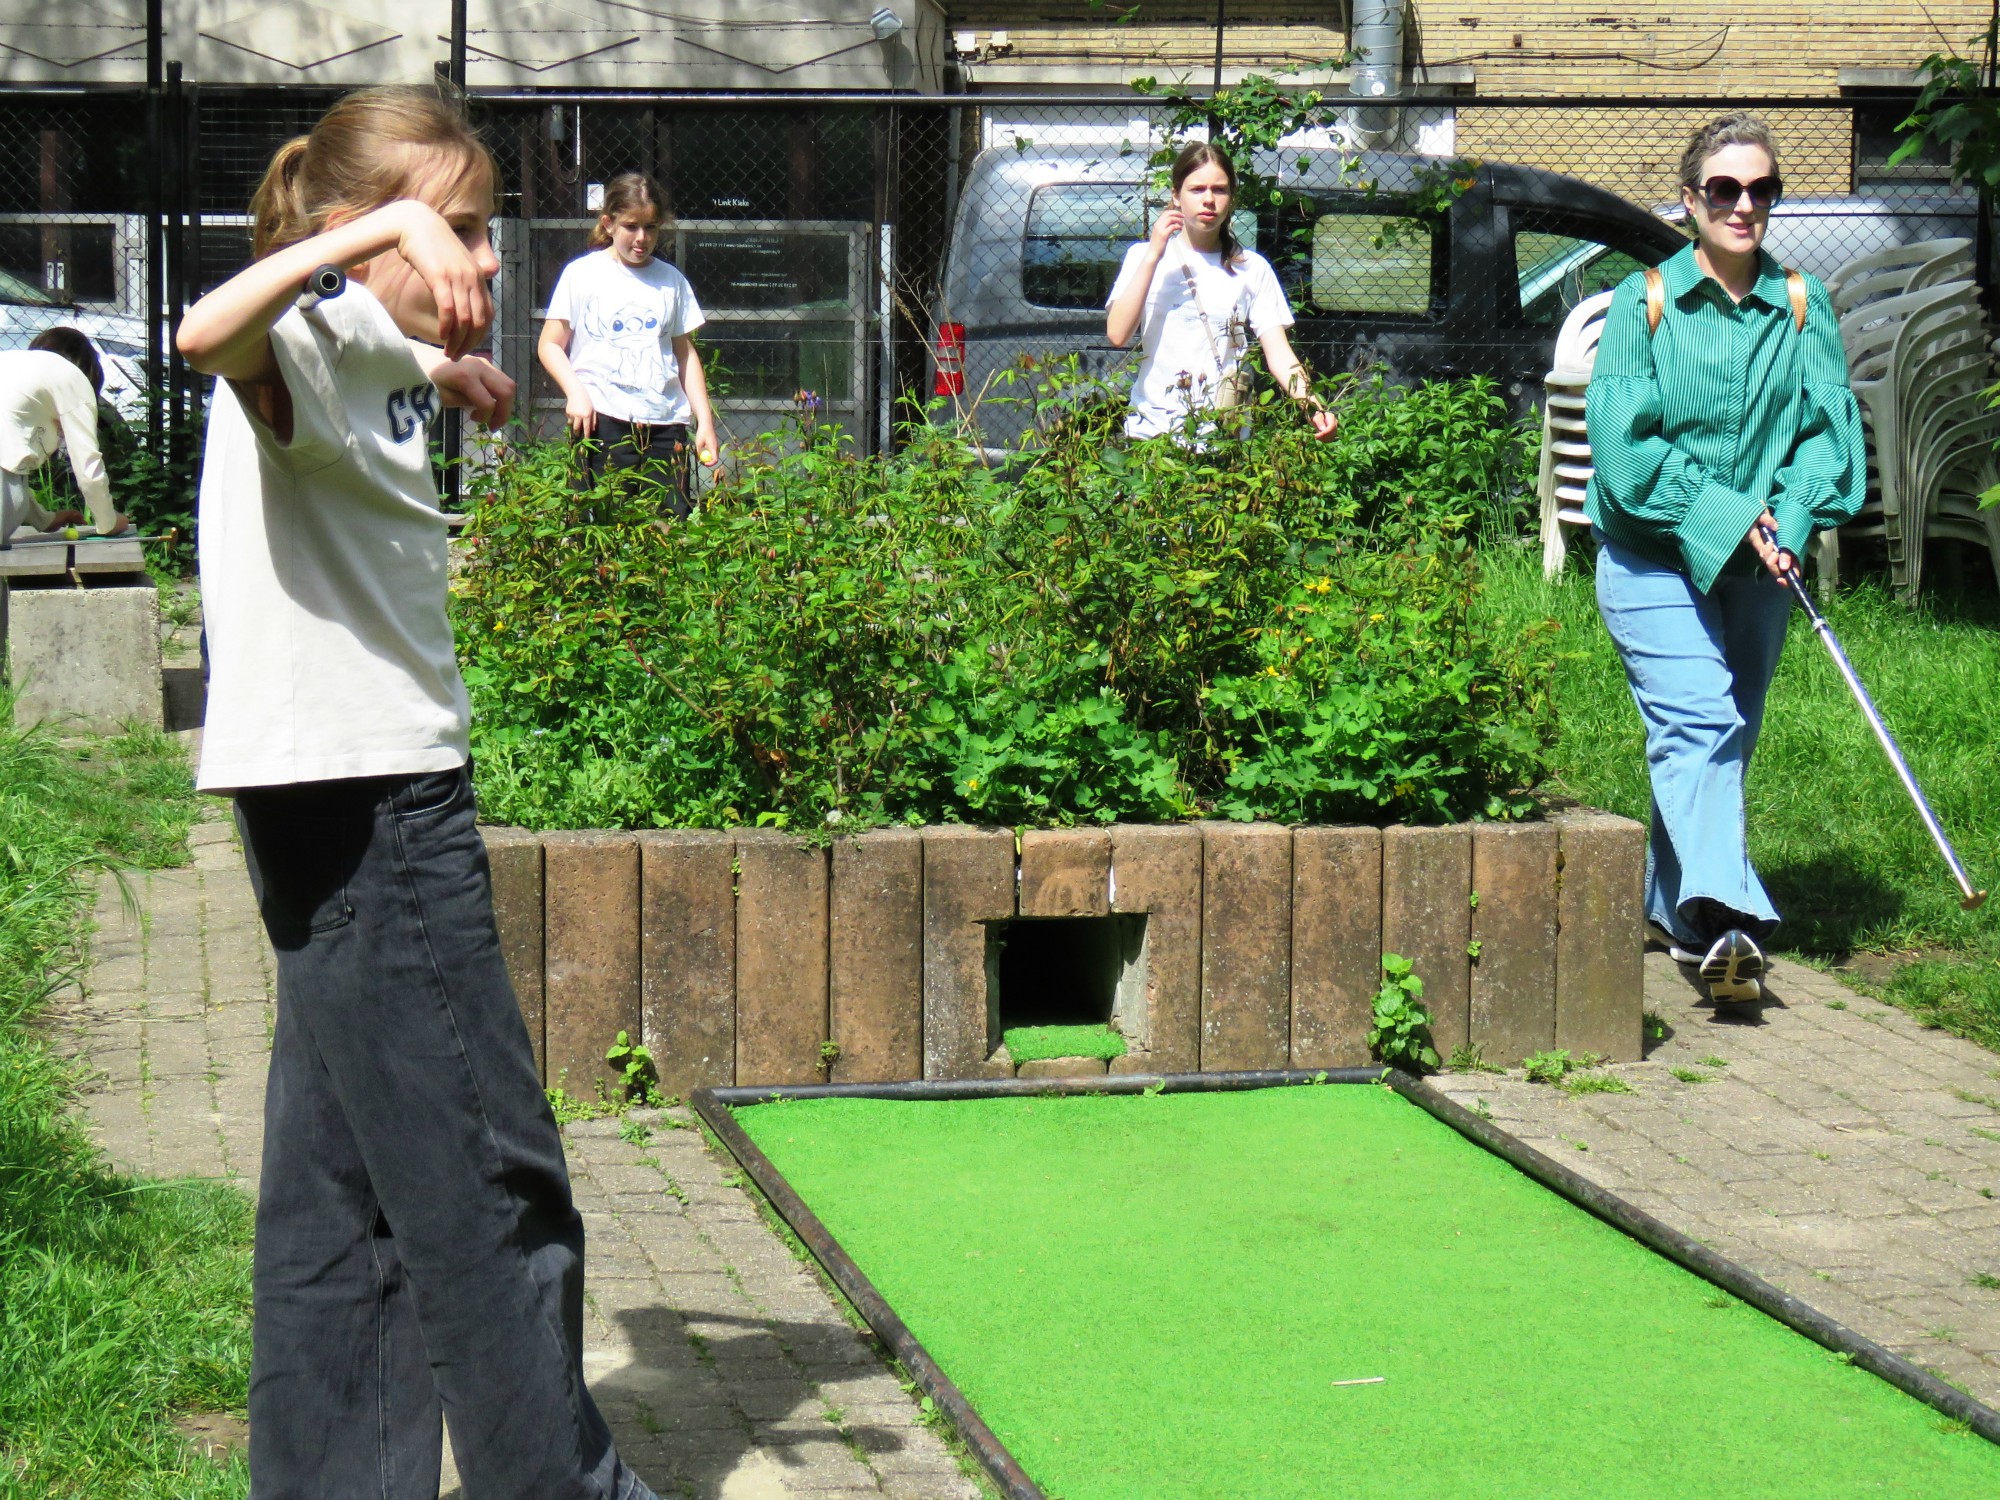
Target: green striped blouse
1727,409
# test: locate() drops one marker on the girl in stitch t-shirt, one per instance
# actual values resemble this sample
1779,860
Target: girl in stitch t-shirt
417,1249
619,340
1189,291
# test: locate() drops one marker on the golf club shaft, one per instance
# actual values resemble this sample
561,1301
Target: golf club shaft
1973,897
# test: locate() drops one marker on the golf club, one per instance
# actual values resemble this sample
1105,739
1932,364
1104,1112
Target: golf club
1973,898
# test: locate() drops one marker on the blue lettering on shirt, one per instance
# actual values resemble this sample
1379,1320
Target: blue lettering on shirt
410,411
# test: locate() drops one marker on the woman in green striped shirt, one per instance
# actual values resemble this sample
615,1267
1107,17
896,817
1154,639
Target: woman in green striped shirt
1719,407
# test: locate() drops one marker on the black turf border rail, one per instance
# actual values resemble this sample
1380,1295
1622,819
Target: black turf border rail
714,1106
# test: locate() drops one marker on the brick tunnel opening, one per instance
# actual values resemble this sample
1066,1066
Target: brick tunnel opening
1068,971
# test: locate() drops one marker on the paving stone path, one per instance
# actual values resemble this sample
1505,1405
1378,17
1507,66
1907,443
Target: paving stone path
1833,1146
726,1370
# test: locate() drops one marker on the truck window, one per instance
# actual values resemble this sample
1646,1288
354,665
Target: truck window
1078,233
1373,263
1557,271
1077,236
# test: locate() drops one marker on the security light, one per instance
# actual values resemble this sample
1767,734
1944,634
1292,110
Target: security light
885,23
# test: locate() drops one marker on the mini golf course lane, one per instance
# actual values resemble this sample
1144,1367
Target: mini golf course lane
1159,1296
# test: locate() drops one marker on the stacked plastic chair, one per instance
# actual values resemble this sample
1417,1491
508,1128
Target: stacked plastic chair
1919,357
1565,467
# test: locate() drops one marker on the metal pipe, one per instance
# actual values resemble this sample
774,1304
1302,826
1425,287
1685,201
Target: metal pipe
1377,40
1973,897
456,67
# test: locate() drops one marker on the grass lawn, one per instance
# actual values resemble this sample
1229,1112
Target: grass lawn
1309,1291
122,1301
1833,834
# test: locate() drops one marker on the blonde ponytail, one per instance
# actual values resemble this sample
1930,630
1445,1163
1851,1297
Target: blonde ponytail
277,217
371,148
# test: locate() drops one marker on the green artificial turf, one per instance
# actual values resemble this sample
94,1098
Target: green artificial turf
1153,1296
1034,1043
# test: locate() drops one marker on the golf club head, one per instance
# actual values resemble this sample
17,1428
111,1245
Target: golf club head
1973,902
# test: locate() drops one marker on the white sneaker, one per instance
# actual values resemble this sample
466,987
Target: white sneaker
1732,969
1658,935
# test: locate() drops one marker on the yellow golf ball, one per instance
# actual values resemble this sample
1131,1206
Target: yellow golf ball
70,533
708,455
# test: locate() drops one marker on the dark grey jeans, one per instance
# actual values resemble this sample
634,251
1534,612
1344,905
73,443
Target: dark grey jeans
417,1248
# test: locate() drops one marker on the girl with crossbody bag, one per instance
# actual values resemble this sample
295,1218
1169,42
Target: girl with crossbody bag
1188,321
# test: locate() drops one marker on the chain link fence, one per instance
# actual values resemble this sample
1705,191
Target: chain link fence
860,256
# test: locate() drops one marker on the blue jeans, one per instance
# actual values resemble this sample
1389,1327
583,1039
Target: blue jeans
1699,667
417,1249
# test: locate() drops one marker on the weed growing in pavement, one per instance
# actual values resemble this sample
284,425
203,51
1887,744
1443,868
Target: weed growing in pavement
1594,1083
638,1080
1557,1065
634,1132
1985,1281
1836,1005
1655,1027
1399,1029
1691,1075
1966,1096
1712,1061
1984,1135
1470,1058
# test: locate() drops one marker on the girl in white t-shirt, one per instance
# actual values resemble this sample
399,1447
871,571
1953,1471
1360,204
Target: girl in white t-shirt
619,340
1193,296
417,1249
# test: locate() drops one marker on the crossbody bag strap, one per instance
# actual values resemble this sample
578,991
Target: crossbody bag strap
1656,299
1194,296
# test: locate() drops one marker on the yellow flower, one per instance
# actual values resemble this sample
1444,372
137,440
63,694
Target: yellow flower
972,785
1320,585
1375,619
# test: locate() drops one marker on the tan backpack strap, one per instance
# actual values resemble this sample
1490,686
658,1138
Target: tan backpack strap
1795,284
1656,299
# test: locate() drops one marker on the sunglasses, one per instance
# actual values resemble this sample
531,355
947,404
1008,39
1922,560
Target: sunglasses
1727,192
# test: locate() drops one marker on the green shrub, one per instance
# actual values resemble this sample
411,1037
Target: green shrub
1278,628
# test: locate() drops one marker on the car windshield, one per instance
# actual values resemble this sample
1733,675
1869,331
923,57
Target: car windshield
20,293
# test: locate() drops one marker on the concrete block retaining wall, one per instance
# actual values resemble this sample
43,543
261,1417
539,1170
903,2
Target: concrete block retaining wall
751,957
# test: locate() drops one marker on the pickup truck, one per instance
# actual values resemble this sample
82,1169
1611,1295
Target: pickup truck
1376,275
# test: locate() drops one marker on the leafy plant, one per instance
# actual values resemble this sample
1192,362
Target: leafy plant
1285,629
1399,1028
1548,1067
1956,107
638,1079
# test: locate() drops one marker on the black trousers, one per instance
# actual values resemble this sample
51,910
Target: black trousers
653,451
417,1248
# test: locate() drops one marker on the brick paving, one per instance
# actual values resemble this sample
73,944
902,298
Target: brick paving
1833,1146
726,1370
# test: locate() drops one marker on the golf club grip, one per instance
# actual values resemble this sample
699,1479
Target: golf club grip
325,282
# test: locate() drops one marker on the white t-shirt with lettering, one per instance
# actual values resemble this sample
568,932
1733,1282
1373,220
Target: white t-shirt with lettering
323,566
1178,368
623,321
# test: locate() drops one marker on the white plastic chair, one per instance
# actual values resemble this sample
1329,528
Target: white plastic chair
1563,479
